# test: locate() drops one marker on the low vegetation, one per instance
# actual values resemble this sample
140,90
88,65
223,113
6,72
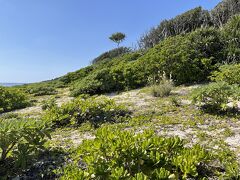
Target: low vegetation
227,73
11,99
178,127
41,90
20,142
95,110
116,154
161,86
111,54
49,104
217,96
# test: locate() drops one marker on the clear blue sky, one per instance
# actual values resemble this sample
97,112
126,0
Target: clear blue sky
43,39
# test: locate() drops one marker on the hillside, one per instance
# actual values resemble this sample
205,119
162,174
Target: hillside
168,110
199,44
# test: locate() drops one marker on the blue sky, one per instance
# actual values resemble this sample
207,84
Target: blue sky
44,39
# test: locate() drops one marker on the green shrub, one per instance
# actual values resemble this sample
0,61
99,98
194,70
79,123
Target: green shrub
117,154
11,99
216,96
227,73
161,86
110,76
20,141
95,110
231,35
111,54
41,90
49,103
73,76
189,58
98,82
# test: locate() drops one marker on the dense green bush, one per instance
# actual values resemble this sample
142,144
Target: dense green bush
20,142
231,35
73,76
216,96
108,77
11,99
111,54
189,58
97,82
227,73
117,154
41,90
95,110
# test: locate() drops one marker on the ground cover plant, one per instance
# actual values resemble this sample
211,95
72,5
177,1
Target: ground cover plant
217,96
49,104
20,142
117,154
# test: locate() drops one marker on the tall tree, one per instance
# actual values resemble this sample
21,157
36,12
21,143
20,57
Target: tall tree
117,38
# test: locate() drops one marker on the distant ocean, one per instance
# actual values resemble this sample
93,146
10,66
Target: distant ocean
11,84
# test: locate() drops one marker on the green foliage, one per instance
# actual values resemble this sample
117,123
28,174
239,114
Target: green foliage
227,73
111,54
95,110
117,154
73,76
108,76
190,21
20,141
188,58
184,23
96,83
161,86
232,171
11,99
231,35
224,11
185,47
41,90
216,96
10,115
49,104
117,37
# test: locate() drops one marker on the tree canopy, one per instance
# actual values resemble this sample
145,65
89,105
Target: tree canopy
117,37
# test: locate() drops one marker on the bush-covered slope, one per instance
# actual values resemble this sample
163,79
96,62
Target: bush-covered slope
187,57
